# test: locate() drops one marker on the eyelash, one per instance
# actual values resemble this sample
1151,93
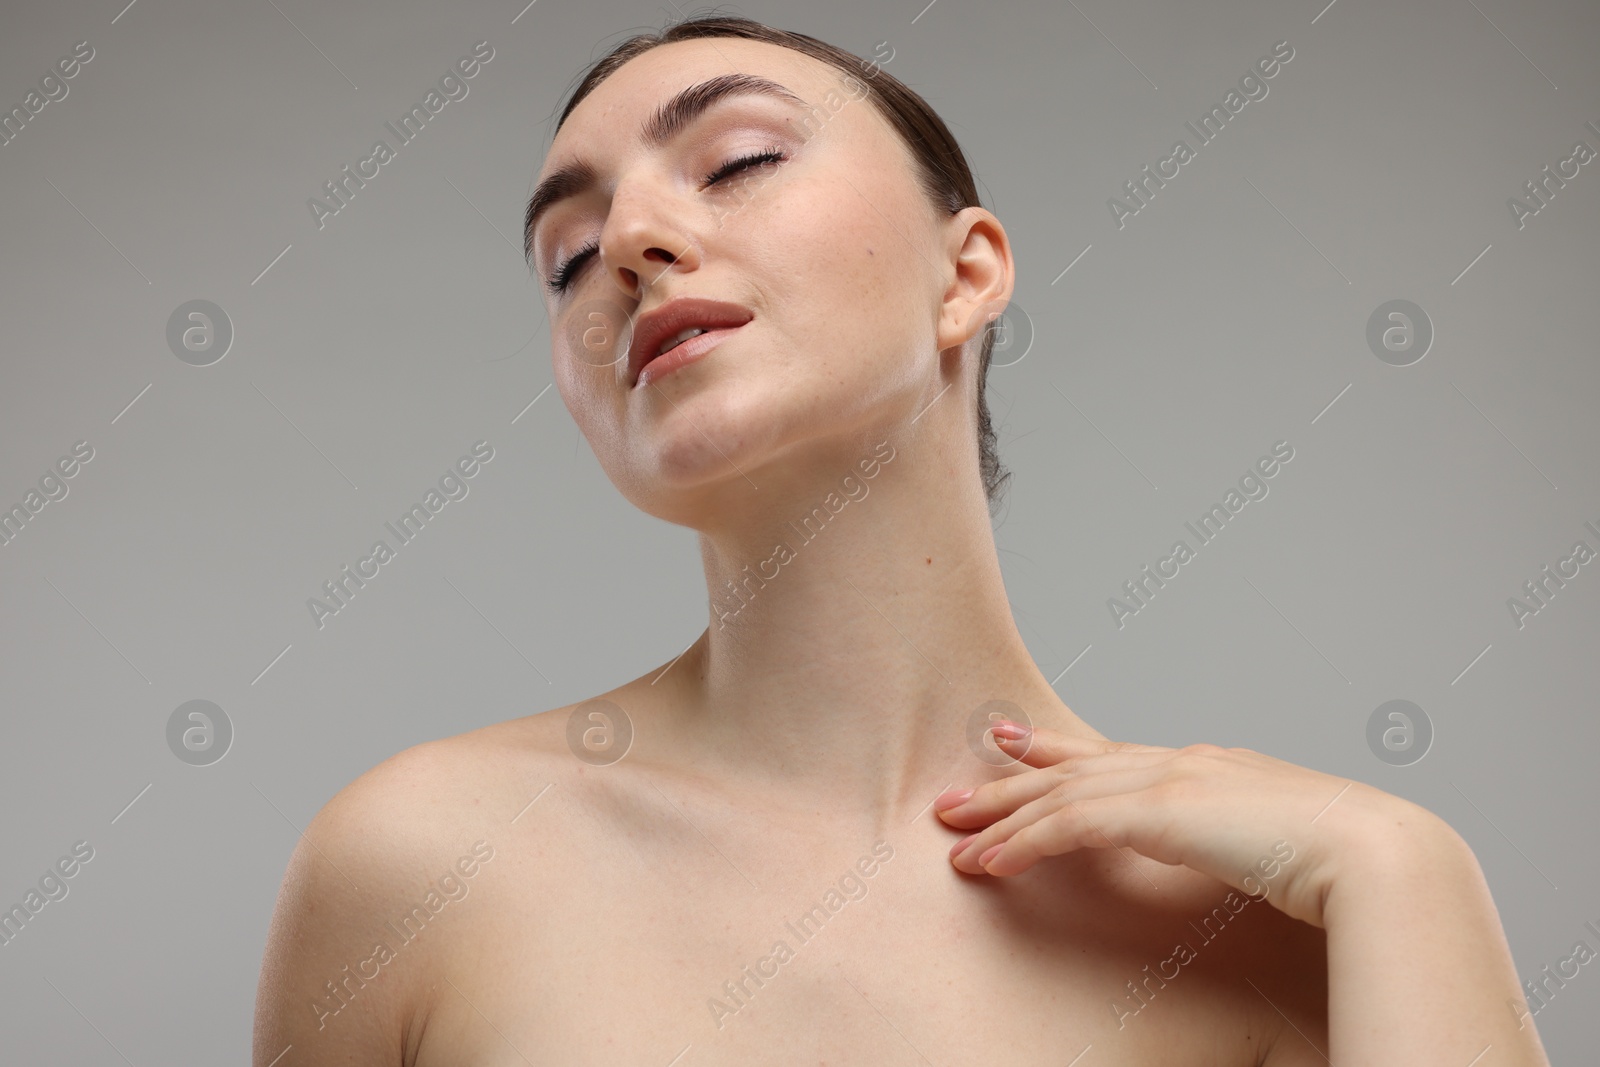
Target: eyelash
562,279
770,155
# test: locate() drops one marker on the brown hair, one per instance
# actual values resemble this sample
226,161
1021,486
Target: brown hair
942,169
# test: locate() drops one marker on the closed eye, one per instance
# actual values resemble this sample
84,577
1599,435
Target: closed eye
771,155
561,280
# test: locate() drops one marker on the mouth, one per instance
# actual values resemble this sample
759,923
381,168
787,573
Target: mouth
683,353
680,330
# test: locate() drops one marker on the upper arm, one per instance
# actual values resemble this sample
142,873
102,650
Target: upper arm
332,989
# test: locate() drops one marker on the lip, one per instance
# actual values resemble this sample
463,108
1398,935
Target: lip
687,352
716,317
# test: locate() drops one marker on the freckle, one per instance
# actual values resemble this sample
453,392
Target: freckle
930,559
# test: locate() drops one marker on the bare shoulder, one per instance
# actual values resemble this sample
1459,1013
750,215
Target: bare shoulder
430,795
347,962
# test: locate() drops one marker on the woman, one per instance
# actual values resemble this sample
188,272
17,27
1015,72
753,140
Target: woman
825,833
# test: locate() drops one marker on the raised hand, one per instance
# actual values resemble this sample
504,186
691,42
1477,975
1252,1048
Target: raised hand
1272,829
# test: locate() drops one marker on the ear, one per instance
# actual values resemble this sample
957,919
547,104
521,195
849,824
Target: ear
983,276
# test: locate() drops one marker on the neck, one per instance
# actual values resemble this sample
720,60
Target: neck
857,623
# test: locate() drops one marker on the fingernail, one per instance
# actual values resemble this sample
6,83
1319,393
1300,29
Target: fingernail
988,854
1009,730
955,850
952,799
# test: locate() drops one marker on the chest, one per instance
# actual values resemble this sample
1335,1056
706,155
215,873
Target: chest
818,954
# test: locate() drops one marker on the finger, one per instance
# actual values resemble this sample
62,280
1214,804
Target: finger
995,800
1041,746
1066,795
1092,822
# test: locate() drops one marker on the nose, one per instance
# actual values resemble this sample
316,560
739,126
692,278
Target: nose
642,240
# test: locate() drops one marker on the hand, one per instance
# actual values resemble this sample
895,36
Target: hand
1257,823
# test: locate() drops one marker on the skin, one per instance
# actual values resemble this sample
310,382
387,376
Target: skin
832,709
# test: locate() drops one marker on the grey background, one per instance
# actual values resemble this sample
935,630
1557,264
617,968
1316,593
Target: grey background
1226,316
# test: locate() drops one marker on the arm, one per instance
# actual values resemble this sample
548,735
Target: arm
1418,965
325,996
1419,971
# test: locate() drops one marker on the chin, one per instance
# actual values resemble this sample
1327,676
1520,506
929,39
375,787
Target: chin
693,423
704,459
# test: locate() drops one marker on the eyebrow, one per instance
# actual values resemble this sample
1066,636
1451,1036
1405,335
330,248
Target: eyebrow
667,122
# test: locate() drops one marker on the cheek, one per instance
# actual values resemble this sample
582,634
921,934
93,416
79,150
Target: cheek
589,394
849,284
839,235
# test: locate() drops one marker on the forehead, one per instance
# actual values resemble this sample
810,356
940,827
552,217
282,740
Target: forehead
620,105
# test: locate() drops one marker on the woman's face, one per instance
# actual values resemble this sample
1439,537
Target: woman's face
831,251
